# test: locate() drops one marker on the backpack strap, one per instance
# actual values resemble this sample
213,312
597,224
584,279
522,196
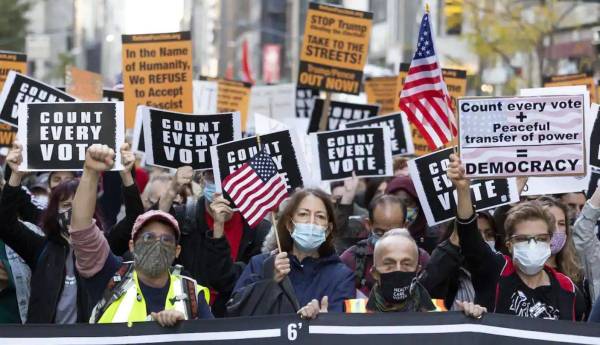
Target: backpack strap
189,288
115,288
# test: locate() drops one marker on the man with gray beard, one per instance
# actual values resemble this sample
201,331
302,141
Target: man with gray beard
145,289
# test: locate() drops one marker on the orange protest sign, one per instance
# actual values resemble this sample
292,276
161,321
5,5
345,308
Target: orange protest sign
456,82
84,85
586,79
157,72
8,134
234,96
334,48
383,91
11,61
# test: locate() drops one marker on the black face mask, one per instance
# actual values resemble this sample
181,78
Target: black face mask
395,286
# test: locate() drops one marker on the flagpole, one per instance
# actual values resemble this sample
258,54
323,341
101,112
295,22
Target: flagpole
275,228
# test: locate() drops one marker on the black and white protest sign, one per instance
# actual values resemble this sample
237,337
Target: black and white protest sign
339,114
594,182
363,151
109,95
138,142
438,195
400,136
305,101
282,146
19,88
175,139
55,136
522,136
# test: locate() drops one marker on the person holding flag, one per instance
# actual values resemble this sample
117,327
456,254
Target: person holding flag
305,271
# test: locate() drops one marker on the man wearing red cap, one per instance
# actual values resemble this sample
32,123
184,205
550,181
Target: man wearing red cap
130,292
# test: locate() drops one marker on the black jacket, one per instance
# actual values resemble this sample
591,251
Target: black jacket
497,285
46,256
440,276
207,259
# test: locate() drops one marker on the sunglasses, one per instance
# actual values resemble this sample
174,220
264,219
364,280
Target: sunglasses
165,238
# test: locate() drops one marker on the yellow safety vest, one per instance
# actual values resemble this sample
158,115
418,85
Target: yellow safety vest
131,306
359,305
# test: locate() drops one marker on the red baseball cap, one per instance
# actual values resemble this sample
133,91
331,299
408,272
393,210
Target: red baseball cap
153,215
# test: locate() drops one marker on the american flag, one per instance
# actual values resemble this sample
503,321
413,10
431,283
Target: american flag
425,98
256,188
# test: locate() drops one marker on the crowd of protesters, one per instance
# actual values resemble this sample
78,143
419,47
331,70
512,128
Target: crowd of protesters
147,244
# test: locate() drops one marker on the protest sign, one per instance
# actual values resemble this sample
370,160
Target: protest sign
157,72
7,135
363,151
595,138
522,136
174,139
138,143
274,101
328,328
438,195
561,184
282,146
586,79
339,114
19,88
334,48
84,85
11,61
234,96
400,136
205,96
109,95
382,91
55,136
305,101
594,182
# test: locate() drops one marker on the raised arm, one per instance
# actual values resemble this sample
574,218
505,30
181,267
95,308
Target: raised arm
89,244
120,234
479,256
15,234
183,177
587,243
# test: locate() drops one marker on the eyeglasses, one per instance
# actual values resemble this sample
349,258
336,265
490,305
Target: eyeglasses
528,238
165,238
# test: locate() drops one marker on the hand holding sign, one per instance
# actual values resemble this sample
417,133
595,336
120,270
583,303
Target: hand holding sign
183,177
456,173
14,159
99,158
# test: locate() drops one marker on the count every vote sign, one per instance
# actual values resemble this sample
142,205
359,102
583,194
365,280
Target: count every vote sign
522,136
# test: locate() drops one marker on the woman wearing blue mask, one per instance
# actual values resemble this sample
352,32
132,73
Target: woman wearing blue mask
319,280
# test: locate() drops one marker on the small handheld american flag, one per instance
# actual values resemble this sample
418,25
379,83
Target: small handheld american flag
424,97
256,188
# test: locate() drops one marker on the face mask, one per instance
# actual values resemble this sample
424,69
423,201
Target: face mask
558,242
373,238
209,191
492,244
411,214
153,258
531,256
41,200
64,219
395,286
308,237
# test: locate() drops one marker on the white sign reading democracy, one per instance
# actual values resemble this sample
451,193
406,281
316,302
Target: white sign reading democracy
522,136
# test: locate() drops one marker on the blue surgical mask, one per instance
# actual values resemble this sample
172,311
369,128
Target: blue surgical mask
209,191
308,236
